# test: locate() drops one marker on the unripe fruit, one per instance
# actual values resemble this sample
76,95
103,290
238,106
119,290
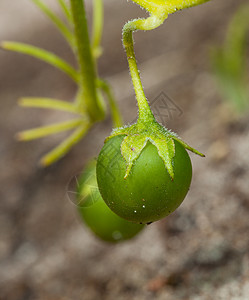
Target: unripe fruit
148,193
104,223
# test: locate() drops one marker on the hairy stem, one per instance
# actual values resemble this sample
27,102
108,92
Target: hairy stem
138,24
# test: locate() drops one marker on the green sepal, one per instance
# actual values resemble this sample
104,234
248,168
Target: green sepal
119,131
131,147
186,146
166,150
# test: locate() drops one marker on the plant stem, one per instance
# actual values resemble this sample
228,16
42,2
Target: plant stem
139,24
86,63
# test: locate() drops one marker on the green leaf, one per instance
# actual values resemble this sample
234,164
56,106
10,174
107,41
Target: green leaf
49,103
168,6
65,146
181,4
39,132
68,35
43,55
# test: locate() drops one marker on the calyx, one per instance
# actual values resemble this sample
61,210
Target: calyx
137,136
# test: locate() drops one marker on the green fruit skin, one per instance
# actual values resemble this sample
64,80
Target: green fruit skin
148,193
105,224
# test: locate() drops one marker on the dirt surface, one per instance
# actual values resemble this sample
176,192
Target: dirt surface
201,251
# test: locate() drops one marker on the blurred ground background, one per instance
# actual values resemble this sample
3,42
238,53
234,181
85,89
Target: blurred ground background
199,252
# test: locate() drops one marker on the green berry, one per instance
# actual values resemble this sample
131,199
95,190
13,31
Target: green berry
104,223
148,193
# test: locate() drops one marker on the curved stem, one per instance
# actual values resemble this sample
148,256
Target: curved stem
86,62
159,10
138,24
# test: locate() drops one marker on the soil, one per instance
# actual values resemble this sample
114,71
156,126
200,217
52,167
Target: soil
201,251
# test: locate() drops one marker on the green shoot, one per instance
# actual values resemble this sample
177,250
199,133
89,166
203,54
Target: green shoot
39,132
68,35
65,9
97,27
43,55
65,145
49,103
115,113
